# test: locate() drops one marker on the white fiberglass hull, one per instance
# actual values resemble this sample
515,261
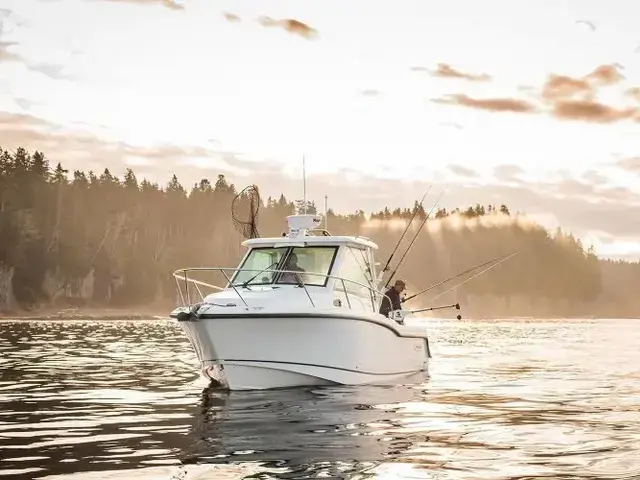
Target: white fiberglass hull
262,351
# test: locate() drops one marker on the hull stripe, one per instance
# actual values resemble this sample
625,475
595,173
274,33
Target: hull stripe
214,316
276,362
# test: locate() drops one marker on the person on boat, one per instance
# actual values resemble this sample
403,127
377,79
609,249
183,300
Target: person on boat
292,264
391,300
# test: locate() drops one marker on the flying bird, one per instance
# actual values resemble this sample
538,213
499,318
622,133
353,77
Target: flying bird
231,17
589,24
291,25
452,124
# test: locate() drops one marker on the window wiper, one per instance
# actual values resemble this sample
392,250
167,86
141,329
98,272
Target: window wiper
245,284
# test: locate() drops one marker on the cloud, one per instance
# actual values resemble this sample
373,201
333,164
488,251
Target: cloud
591,111
574,187
170,4
489,104
606,75
508,173
6,55
563,87
445,70
634,92
24,103
19,120
594,177
631,164
50,70
290,25
231,17
293,26
463,171
564,98
575,98
81,149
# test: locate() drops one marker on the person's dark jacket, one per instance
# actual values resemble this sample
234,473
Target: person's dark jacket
387,306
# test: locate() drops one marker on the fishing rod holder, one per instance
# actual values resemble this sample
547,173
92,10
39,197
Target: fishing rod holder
400,315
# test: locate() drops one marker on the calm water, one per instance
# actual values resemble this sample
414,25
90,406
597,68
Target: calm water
121,400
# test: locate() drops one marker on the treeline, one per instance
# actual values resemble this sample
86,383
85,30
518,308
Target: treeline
76,237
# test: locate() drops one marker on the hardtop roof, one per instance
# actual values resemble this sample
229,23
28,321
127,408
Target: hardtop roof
311,240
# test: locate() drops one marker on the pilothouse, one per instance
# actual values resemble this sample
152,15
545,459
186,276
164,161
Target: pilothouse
311,260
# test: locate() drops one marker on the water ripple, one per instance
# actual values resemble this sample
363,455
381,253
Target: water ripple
506,400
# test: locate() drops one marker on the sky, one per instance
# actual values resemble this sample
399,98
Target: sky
534,103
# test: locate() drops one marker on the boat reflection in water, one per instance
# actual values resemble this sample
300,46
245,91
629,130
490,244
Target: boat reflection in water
303,429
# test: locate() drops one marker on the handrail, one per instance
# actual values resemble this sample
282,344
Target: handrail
372,291
227,269
346,294
234,288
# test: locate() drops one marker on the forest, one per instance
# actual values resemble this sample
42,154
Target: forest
94,239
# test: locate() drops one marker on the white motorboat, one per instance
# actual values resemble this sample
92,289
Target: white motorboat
301,309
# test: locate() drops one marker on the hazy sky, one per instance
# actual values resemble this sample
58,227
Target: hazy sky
531,103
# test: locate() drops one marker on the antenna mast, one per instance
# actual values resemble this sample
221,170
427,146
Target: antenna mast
326,220
304,184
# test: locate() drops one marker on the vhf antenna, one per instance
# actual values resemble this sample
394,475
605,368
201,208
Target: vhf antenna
304,184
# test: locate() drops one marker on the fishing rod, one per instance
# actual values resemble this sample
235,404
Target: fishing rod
430,309
477,274
414,238
499,259
386,267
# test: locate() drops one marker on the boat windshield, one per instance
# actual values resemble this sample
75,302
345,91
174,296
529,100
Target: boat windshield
355,267
257,269
261,265
308,261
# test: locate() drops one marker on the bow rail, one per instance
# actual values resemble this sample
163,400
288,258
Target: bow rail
182,275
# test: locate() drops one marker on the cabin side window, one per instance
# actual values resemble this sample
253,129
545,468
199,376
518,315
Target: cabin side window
307,261
255,270
354,266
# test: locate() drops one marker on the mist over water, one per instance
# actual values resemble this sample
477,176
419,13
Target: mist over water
505,400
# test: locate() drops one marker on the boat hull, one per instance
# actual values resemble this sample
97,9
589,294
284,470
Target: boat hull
263,351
